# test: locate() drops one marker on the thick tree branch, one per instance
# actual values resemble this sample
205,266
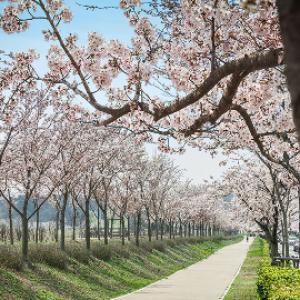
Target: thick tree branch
256,138
223,106
251,63
289,17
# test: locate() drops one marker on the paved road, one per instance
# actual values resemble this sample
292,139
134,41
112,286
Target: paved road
205,280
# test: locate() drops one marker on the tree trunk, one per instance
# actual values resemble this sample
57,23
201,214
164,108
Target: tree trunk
285,234
98,223
106,225
170,229
289,17
283,242
162,224
37,226
25,232
128,227
56,225
149,225
11,227
62,220
74,221
271,233
87,224
138,228
25,238
180,227
62,230
122,229
299,219
273,248
156,228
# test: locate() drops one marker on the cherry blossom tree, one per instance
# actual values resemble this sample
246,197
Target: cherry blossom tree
268,192
208,73
226,42
27,161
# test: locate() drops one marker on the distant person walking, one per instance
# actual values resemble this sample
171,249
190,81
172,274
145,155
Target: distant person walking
247,238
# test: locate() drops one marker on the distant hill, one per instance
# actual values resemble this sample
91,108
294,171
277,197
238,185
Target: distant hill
47,212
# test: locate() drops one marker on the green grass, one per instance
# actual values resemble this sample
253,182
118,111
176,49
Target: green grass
244,286
99,279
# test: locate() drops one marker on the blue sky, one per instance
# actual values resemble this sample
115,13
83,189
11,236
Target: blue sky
111,24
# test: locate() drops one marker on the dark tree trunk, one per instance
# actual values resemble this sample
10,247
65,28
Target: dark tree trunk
138,229
299,219
156,228
289,17
62,220
25,232
200,228
180,227
25,238
56,225
98,223
106,225
162,224
87,224
11,227
37,226
170,229
149,225
128,227
62,230
122,229
285,234
273,248
271,233
193,228
74,221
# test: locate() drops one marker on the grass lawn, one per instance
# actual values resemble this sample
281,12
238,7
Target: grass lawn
244,287
103,279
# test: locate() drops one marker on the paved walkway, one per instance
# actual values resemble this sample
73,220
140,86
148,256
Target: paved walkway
205,280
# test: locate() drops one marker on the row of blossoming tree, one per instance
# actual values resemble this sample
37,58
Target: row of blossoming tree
52,155
210,74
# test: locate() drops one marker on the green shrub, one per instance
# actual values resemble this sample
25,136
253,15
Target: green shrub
100,251
277,283
121,250
10,257
171,243
159,246
146,245
77,251
49,254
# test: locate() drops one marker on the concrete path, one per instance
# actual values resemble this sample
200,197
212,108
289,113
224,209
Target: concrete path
206,280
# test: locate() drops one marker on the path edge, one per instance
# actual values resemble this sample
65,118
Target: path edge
153,283
236,274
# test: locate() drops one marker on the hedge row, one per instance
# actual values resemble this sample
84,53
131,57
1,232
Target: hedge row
276,283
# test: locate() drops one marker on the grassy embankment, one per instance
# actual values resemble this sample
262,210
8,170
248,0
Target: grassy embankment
109,272
244,286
